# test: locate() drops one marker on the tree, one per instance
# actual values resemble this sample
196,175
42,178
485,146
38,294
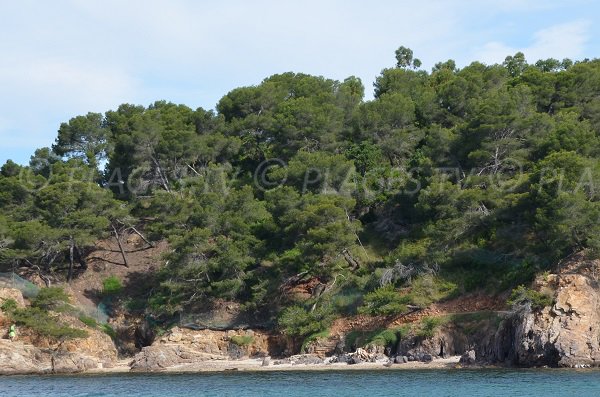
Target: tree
83,137
515,64
404,58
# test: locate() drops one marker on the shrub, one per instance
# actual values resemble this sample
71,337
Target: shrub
387,337
108,330
522,297
428,289
111,286
380,337
51,298
298,322
89,321
429,326
44,324
242,340
385,300
9,306
311,338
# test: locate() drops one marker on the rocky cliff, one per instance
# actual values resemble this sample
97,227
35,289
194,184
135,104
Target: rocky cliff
566,334
32,353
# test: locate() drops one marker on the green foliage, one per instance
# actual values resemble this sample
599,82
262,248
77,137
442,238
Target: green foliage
111,286
428,326
8,306
387,337
52,298
312,338
522,297
297,321
462,178
89,321
45,324
242,340
38,317
384,301
109,330
428,289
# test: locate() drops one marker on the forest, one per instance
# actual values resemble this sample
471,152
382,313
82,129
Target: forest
448,181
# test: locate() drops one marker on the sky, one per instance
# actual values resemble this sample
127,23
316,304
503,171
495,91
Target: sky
63,58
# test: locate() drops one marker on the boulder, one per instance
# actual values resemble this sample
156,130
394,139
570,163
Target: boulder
71,363
468,358
426,358
161,356
306,359
12,293
18,358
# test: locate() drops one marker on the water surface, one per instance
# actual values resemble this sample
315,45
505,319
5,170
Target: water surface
463,383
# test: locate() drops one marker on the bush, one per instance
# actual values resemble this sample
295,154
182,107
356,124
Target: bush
387,337
242,340
522,297
385,301
298,322
428,289
429,326
89,321
313,337
111,286
108,330
51,298
9,306
44,324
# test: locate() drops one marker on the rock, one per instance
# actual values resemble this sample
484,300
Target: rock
399,360
97,346
160,356
426,358
70,363
404,359
468,358
175,337
236,352
219,343
355,360
18,358
266,361
305,359
12,293
563,335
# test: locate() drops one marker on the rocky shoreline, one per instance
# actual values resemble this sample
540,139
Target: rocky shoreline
565,334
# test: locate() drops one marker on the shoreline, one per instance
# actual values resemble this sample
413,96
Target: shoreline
252,365
255,365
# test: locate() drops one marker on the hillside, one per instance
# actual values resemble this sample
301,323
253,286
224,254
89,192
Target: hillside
304,212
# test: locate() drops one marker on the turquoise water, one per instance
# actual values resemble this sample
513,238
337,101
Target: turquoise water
463,383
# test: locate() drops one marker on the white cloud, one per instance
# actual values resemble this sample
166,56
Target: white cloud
567,40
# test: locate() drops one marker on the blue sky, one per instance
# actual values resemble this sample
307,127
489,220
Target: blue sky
63,58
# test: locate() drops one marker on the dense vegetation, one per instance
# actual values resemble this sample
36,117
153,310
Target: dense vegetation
447,181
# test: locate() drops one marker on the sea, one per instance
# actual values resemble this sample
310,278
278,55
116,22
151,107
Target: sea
456,382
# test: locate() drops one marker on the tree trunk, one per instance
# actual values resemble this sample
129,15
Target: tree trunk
353,263
71,247
81,258
120,246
